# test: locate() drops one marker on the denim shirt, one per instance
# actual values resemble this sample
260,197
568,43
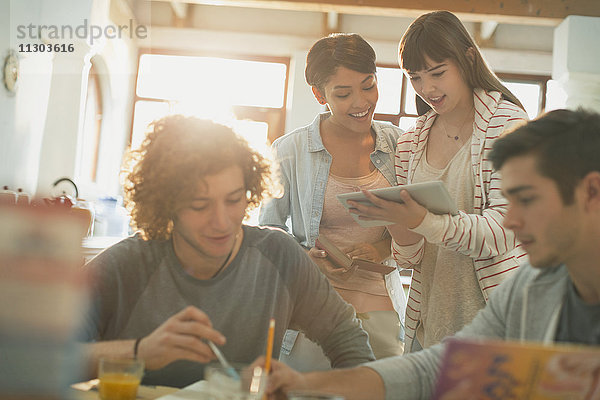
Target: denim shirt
304,170
304,165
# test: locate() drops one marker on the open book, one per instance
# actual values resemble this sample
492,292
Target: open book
484,369
340,259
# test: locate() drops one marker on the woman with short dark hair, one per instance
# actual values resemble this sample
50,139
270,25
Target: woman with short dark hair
343,150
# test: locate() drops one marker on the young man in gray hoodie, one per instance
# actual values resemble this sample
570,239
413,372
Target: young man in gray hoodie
551,179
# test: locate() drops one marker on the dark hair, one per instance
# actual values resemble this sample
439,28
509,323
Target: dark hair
177,153
440,35
566,145
338,50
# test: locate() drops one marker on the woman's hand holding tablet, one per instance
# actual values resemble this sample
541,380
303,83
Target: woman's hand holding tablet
405,204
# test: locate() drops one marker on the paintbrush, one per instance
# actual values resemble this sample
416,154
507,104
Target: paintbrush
229,370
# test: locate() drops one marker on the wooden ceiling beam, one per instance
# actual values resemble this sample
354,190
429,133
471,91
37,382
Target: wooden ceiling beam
528,12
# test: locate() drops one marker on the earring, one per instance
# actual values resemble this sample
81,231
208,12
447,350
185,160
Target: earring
321,100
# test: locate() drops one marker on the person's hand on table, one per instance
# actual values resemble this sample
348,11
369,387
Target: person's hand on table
409,214
281,379
181,337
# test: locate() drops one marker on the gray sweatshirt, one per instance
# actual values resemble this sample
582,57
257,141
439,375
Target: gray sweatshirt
525,307
139,284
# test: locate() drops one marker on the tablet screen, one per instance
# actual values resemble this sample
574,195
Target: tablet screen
432,195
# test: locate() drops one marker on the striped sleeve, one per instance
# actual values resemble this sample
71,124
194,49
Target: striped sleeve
403,152
408,256
478,236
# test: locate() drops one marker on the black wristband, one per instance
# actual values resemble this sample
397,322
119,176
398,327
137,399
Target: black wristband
135,346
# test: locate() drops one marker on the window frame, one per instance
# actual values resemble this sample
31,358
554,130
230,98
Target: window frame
541,80
395,118
273,117
93,79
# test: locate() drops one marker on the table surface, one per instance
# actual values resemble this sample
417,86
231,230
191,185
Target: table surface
144,393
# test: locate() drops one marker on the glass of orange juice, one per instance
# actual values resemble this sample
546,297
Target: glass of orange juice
119,378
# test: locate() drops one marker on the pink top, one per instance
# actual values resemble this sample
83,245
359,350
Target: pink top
364,289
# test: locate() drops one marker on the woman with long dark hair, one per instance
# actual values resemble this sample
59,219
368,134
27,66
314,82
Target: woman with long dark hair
456,260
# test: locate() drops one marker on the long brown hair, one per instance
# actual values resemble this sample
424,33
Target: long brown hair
439,35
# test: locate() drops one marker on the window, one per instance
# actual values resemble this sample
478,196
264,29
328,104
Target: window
397,96
556,96
529,89
251,89
390,88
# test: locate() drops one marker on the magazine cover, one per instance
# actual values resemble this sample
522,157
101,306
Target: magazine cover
483,369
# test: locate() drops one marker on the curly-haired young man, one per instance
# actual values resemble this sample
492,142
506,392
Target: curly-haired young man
194,273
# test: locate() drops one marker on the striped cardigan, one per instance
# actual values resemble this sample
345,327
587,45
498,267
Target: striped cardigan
481,235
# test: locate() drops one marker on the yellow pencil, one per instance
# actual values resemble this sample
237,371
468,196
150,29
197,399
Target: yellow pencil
270,345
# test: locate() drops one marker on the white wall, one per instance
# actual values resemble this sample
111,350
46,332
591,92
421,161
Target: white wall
40,125
301,105
577,62
116,64
23,114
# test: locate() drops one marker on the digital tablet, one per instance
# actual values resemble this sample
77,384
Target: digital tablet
432,195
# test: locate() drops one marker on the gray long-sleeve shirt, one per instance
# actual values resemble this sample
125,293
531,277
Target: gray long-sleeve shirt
525,307
139,284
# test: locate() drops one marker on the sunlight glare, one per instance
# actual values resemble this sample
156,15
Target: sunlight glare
528,94
214,80
389,84
208,88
